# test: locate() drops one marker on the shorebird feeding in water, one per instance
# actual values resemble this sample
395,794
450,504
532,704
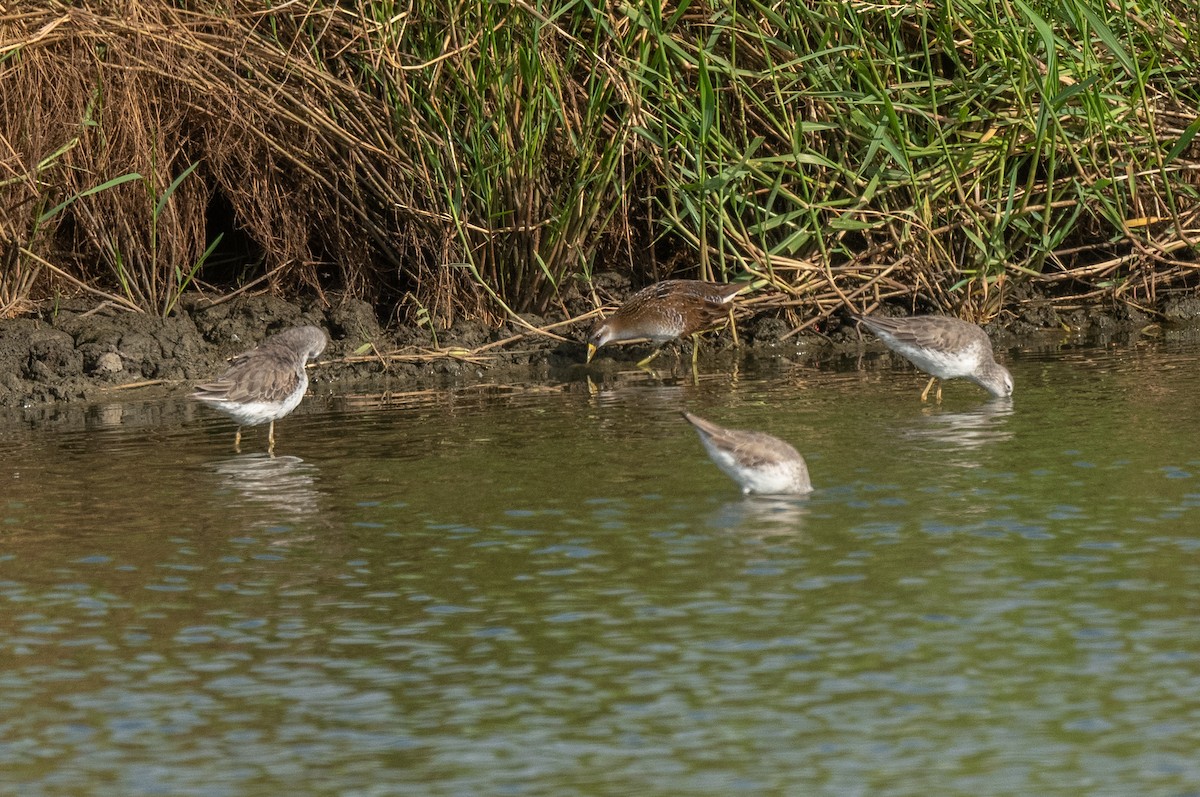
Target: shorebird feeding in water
944,347
266,383
758,462
665,311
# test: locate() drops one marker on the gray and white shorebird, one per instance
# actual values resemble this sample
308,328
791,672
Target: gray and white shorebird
665,311
758,462
265,383
945,348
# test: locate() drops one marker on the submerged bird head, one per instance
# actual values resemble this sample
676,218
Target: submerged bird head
601,334
996,380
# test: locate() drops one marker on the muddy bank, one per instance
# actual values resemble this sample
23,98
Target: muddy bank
80,353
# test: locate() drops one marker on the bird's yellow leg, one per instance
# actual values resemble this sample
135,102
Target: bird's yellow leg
939,393
271,439
695,352
653,354
237,440
925,392
733,326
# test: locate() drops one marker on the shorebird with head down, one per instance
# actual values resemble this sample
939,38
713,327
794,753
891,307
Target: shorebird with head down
758,462
945,348
266,383
665,311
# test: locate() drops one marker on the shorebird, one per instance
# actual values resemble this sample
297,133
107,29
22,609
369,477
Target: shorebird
665,311
758,462
266,383
944,347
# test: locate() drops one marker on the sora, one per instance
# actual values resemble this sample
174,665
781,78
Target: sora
758,462
944,347
665,311
266,383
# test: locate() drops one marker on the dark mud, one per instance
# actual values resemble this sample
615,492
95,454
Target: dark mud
85,353
79,353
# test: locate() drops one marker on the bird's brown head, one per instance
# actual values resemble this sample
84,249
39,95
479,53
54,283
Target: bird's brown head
602,333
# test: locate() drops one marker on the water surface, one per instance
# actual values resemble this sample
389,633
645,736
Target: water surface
551,590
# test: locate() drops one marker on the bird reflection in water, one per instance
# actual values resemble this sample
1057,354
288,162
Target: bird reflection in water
763,515
965,432
284,484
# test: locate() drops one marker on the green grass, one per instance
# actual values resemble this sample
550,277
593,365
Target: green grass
488,159
952,146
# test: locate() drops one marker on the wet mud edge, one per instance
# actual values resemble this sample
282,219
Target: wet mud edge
80,353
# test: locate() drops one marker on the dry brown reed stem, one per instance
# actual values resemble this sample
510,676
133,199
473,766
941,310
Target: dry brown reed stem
302,157
385,155
136,385
477,355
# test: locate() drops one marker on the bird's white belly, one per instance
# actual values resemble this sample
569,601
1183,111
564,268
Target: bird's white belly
252,413
774,479
942,364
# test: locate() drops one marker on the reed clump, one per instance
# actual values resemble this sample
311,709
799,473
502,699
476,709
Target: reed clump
443,158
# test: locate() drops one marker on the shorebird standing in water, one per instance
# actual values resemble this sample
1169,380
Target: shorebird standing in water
665,311
266,383
944,347
758,462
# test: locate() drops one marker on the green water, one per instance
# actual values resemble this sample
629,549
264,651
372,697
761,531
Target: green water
554,592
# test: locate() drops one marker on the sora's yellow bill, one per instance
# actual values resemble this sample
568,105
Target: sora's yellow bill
592,349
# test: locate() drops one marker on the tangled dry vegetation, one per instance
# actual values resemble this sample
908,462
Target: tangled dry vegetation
442,158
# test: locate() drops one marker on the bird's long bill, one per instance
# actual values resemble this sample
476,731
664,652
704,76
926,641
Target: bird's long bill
591,351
